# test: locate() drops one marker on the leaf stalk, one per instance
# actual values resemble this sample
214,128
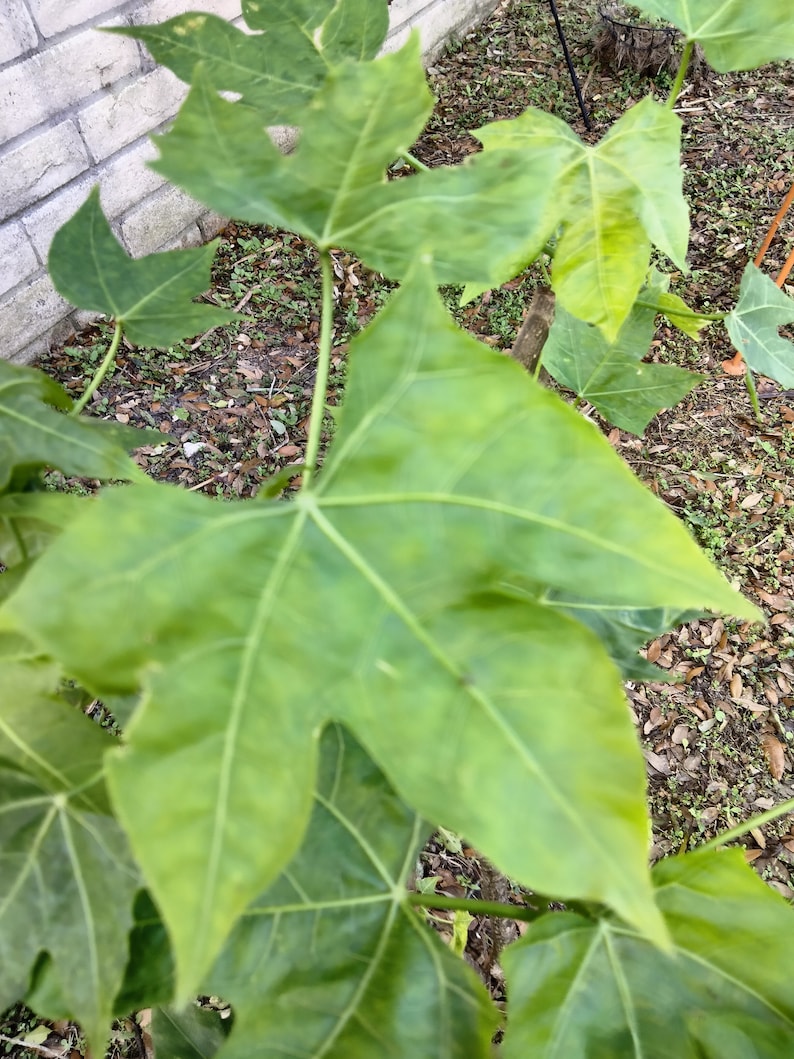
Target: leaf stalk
317,414
477,908
742,829
678,84
101,371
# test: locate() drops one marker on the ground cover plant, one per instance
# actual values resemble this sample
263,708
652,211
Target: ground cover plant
300,684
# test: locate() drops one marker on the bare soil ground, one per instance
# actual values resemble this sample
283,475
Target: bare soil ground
235,402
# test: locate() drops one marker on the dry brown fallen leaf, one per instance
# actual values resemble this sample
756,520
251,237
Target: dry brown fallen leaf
775,754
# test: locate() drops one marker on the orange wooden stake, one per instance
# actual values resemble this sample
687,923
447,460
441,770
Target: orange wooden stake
773,227
784,273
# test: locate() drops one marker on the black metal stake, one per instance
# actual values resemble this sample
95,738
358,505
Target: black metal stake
575,80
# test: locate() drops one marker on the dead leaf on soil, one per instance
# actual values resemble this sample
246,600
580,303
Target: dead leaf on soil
775,754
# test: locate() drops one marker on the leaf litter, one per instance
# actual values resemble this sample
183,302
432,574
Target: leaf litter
717,737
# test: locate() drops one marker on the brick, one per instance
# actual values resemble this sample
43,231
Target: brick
30,172
30,312
162,10
402,10
210,223
158,221
439,21
18,256
43,222
43,85
126,179
17,32
117,120
55,16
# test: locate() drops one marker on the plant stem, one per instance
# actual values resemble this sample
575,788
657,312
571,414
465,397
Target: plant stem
323,367
100,373
754,821
749,382
414,163
477,908
689,47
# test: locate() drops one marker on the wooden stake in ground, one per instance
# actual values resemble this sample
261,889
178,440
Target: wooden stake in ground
534,331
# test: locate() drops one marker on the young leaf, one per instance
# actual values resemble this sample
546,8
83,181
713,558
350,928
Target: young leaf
614,200
150,296
754,322
734,35
656,296
612,376
63,856
347,956
574,981
451,473
332,189
33,435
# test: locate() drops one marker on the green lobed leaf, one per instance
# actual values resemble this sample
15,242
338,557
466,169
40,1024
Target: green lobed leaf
276,72
655,295
612,376
332,958
614,199
734,35
452,472
580,988
67,882
150,296
332,189
753,326
30,521
355,29
33,435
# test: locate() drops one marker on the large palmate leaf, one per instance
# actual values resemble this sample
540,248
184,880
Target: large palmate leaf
331,958
754,325
614,199
277,72
373,601
151,297
735,35
34,435
612,375
596,990
332,189
66,878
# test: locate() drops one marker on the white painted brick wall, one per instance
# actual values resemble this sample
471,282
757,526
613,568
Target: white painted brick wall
76,109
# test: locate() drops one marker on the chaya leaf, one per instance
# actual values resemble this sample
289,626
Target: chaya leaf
150,296
582,989
33,435
614,199
62,853
276,72
189,1033
30,521
451,472
656,296
347,957
753,326
612,376
735,35
333,190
